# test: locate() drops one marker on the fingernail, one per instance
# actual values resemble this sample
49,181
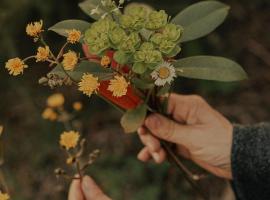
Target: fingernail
153,121
156,156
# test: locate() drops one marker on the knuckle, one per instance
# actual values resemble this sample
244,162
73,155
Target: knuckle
170,130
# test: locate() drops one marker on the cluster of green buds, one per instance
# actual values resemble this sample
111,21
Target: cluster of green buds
141,38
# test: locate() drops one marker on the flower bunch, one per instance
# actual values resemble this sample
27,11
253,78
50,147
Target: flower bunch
131,57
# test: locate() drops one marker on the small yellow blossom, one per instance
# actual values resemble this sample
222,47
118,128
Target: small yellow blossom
49,114
105,61
56,100
70,60
69,139
77,106
70,160
4,196
89,84
42,54
1,129
34,29
15,66
73,36
118,86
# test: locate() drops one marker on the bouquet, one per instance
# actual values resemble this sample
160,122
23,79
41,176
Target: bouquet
131,57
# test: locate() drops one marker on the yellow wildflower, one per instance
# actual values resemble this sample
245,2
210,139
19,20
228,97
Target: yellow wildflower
105,61
89,84
42,54
15,66
73,36
1,129
56,100
69,139
4,196
70,60
49,114
77,106
34,29
118,86
70,160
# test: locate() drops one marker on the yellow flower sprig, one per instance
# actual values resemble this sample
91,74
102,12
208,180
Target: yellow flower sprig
69,140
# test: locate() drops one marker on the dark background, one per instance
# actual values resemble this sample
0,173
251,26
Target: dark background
31,143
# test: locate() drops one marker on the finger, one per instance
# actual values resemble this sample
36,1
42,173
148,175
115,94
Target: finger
144,155
91,190
169,130
75,191
149,140
160,156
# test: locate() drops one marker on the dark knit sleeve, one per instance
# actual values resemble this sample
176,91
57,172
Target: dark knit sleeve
251,162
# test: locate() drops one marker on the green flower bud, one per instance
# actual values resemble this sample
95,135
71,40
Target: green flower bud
97,35
139,56
99,46
157,20
132,22
147,46
131,43
117,35
156,38
137,10
166,46
172,32
153,56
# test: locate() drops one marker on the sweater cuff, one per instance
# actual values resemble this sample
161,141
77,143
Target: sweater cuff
251,162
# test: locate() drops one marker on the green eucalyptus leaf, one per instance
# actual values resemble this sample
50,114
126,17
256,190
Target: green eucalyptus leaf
88,5
81,68
142,84
139,67
133,119
62,27
121,57
210,68
201,18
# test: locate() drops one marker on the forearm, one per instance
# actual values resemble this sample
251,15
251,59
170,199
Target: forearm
251,161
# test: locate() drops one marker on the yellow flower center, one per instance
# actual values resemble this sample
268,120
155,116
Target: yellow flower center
56,100
49,114
70,60
118,86
69,139
73,36
34,29
42,53
89,84
15,66
163,73
105,61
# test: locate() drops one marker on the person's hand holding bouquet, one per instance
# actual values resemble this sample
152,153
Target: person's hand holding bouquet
201,134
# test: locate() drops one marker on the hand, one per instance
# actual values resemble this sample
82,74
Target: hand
86,189
200,133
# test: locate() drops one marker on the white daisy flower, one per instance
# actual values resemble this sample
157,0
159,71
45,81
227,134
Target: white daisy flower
164,73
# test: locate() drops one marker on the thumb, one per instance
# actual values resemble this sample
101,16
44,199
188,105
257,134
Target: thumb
91,190
167,129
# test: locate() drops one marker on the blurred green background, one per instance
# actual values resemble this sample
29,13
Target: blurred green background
31,143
